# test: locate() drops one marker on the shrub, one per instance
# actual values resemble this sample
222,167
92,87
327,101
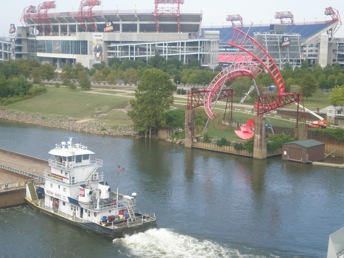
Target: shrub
178,134
248,145
275,142
239,146
222,142
37,89
206,138
181,91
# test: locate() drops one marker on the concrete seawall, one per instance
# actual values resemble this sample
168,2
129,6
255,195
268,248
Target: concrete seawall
325,164
61,122
12,197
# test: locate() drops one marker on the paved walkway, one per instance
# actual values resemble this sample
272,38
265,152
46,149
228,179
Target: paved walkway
20,162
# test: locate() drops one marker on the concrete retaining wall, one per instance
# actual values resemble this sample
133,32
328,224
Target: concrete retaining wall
13,197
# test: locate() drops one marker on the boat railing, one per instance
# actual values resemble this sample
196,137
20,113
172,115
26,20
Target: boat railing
142,218
108,205
98,176
138,220
60,213
115,201
68,166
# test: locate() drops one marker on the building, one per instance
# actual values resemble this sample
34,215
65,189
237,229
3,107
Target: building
303,151
335,115
89,37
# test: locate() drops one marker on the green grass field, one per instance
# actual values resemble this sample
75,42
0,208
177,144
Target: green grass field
110,106
77,104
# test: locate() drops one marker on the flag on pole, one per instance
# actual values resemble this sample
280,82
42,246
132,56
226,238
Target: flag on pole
120,168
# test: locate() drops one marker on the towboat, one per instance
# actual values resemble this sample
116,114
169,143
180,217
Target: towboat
75,191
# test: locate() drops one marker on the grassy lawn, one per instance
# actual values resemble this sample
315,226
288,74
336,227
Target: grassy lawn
110,106
71,103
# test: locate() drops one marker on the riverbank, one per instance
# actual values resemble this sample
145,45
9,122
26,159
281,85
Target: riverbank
60,122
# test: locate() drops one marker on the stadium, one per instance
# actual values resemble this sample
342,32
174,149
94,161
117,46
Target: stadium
287,41
89,36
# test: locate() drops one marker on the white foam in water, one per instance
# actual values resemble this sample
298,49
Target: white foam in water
168,244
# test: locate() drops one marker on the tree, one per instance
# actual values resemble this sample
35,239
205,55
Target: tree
156,61
153,96
111,78
84,81
19,86
36,75
4,88
323,82
288,83
66,74
332,80
98,76
175,118
340,78
308,85
337,96
47,72
76,70
130,75
304,65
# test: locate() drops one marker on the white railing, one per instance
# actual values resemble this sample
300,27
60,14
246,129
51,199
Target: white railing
96,177
68,166
68,216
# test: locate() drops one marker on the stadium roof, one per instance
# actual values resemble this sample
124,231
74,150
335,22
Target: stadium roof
305,30
189,22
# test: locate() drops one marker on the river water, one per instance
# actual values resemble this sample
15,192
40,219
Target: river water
207,204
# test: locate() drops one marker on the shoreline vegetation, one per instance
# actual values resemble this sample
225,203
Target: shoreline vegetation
61,122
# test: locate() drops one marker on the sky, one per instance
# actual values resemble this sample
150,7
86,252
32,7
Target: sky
214,11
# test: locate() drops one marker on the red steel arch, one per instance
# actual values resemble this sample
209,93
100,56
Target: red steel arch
244,42
229,73
265,103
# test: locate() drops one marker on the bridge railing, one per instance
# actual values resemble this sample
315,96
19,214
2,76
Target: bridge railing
37,179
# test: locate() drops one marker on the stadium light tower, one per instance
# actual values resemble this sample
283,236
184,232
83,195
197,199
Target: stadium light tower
335,18
235,18
285,15
42,12
171,7
27,12
85,13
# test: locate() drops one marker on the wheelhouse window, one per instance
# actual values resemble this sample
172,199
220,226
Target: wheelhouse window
78,159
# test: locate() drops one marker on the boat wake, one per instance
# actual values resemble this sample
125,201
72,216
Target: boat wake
166,243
